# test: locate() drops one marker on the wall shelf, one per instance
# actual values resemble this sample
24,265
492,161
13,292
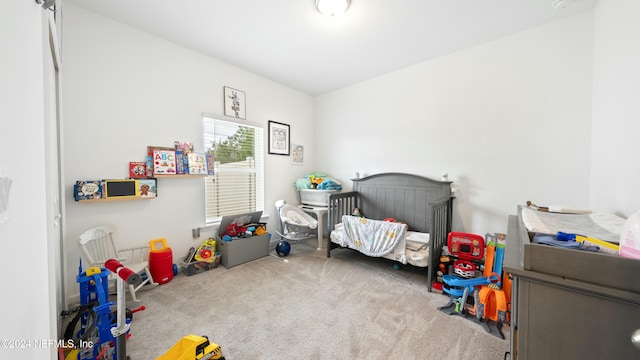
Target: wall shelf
115,189
182,176
115,199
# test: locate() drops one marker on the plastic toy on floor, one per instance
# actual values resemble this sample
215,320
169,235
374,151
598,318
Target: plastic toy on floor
125,277
93,330
283,248
490,301
193,347
467,248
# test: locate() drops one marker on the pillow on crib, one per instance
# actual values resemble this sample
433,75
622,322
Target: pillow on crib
418,237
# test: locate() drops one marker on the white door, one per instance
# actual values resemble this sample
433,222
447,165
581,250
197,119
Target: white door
54,210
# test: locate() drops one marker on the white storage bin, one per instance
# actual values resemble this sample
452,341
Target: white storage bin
316,197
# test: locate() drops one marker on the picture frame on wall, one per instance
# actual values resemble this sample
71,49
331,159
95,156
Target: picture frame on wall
297,154
279,135
234,103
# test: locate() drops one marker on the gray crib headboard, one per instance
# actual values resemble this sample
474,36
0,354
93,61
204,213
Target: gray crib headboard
405,197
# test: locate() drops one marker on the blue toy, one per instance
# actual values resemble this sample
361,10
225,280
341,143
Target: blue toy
459,285
283,248
90,329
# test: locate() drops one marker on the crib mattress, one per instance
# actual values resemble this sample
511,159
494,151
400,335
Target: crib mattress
416,251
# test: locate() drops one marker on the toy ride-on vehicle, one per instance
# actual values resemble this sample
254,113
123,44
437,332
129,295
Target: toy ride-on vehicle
193,347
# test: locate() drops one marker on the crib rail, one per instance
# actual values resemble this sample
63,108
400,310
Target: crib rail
440,229
339,204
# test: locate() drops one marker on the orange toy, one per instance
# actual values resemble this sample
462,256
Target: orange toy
493,304
492,300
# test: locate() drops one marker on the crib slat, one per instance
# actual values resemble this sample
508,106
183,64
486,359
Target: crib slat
339,204
440,229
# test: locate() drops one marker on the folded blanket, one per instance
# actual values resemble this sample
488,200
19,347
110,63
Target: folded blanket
329,185
416,246
551,240
371,237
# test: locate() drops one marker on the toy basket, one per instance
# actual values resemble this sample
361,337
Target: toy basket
196,267
315,197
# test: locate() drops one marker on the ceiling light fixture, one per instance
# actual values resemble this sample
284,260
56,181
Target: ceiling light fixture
332,8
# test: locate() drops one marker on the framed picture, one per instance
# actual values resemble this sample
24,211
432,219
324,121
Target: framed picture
278,138
297,154
234,103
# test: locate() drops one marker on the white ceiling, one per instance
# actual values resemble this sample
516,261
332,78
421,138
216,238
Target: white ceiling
288,41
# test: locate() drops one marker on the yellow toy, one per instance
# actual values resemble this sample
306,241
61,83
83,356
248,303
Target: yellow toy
193,347
207,251
315,181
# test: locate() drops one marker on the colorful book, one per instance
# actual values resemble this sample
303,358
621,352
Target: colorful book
197,163
137,170
164,162
148,188
149,163
181,163
186,147
183,148
88,190
149,158
210,164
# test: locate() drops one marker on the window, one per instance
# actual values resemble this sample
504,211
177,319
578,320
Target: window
237,185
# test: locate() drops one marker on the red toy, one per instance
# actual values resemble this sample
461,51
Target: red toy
234,230
466,246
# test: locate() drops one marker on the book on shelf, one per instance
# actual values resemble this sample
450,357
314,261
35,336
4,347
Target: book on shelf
150,158
210,164
181,163
137,169
148,188
183,148
164,162
88,190
197,163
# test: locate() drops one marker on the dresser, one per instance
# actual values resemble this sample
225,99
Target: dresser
570,304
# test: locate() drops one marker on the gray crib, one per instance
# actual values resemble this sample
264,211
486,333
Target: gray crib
424,204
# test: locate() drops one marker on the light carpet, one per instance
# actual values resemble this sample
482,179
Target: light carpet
348,306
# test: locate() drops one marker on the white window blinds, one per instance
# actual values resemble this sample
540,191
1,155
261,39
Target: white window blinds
237,185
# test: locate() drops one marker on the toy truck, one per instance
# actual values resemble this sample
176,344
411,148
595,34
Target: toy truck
193,347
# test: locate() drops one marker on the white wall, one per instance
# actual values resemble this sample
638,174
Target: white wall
616,114
117,77
26,305
508,120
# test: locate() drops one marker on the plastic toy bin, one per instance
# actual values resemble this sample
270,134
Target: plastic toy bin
242,250
196,267
315,197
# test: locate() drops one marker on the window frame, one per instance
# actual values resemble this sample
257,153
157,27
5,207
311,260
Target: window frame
259,151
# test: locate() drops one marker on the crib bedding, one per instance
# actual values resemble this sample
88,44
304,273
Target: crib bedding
411,248
371,237
602,226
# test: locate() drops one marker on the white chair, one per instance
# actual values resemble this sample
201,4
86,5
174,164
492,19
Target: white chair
97,246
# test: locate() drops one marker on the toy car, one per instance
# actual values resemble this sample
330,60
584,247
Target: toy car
193,347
